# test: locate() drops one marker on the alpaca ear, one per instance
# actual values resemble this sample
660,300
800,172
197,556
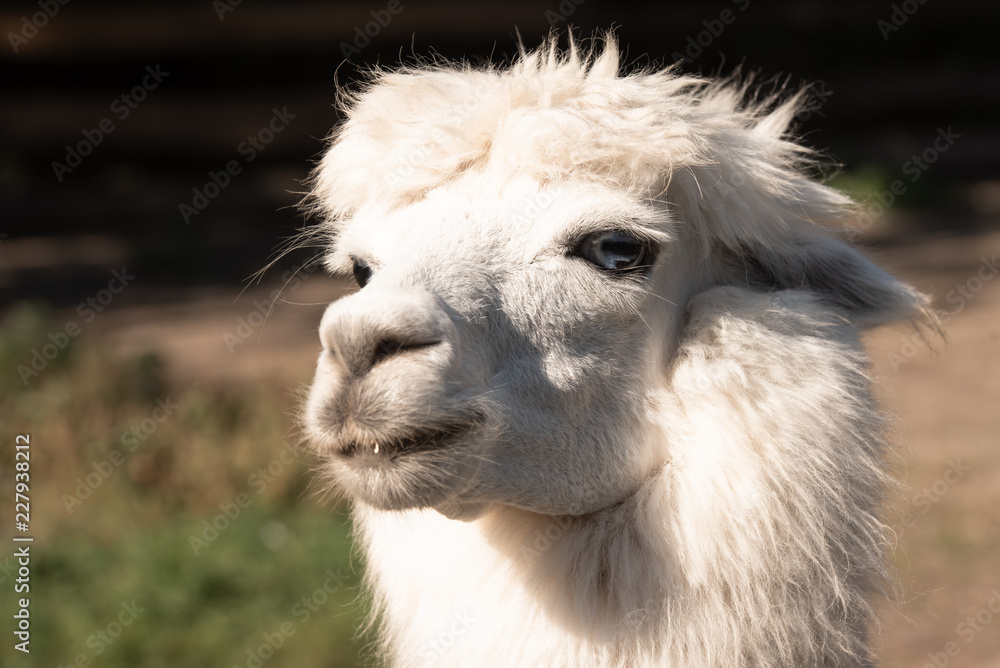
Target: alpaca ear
839,274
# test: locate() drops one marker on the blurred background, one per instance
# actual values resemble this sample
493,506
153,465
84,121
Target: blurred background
151,159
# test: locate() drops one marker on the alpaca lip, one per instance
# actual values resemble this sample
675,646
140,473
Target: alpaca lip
388,449
419,468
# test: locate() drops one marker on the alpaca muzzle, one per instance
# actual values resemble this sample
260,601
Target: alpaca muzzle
367,330
388,410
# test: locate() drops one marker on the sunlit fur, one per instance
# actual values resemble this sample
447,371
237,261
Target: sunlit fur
681,467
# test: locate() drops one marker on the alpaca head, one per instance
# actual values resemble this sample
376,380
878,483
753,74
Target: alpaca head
526,241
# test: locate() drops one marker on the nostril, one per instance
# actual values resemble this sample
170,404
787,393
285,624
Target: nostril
389,347
385,348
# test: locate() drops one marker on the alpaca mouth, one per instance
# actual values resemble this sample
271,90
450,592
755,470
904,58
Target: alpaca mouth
419,468
386,449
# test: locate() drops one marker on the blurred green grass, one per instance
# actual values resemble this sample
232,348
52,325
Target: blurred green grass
866,182
130,538
862,182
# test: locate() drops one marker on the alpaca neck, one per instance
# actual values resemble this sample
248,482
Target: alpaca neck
758,544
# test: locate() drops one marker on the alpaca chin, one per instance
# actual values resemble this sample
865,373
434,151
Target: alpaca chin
464,511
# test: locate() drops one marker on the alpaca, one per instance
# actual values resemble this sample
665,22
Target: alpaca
600,399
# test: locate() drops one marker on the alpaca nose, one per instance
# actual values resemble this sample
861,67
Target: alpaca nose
368,329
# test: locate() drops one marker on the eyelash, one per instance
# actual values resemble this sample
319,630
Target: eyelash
616,252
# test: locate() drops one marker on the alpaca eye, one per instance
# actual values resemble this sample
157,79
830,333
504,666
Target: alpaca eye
362,272
616,251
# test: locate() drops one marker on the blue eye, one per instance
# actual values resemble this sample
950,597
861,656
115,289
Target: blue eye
616,250
362,272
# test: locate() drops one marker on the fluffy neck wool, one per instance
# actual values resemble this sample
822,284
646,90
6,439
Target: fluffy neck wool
757,544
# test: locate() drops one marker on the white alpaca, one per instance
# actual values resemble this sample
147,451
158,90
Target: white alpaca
601,400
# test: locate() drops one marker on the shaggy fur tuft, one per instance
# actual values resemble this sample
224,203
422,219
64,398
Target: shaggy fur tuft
554,465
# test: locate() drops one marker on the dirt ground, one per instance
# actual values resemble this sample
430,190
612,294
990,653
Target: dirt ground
946,403
947,408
